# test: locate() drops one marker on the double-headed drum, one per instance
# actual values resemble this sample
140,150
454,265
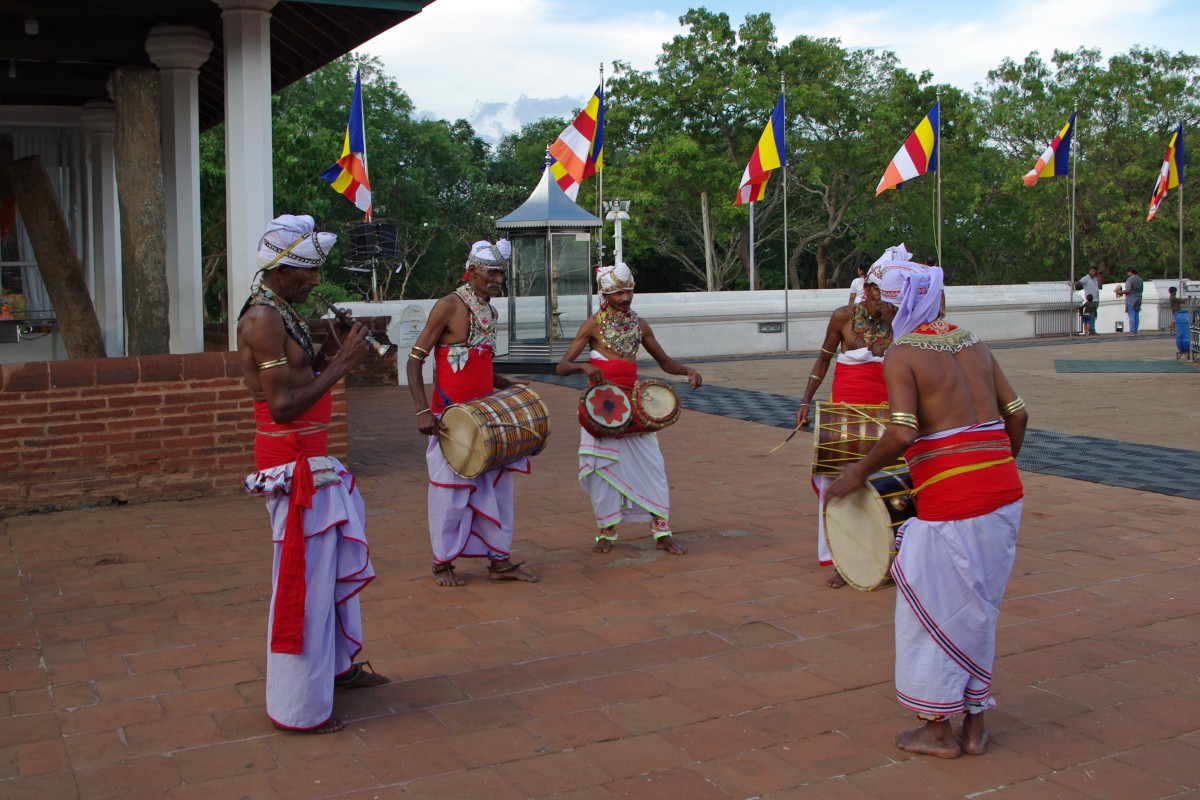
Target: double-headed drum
860,528
843,433
606,409
494,430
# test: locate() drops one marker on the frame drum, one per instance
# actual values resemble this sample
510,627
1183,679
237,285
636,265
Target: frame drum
860,528
494,430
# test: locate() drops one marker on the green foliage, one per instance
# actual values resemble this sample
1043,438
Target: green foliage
681,134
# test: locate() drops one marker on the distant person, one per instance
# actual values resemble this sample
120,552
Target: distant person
1132,292
1091,284
857,285
1087,315
959,424
1179,322
317,515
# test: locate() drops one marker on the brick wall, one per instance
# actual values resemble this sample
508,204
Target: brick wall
88,432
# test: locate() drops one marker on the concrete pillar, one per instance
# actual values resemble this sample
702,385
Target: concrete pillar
98,120
179,51
249,199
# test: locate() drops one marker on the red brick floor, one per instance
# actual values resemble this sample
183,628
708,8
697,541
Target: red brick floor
134,641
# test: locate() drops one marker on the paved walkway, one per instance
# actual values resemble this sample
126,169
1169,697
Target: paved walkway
133,637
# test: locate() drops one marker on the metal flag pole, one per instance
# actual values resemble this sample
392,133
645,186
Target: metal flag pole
600,172
939,180
752,241
1074,156
783,158
1179,161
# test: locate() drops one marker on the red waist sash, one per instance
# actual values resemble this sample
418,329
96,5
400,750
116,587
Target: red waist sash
860,384
622,373
277,443
962,476
473,379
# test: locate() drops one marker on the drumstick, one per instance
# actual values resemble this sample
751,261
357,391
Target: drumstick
785,441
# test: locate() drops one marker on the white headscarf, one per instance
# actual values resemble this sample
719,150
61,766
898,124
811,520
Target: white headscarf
486,255
915,288
293,241
609,280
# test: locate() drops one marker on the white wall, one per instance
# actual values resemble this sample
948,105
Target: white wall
699,324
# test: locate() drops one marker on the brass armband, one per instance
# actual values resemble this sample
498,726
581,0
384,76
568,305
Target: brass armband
827,352
265,365
1011,408
422,350
900,418
812,376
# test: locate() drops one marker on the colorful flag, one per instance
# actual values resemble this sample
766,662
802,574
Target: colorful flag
770,153
349,175
917,156
579,150
1056,160
1171,174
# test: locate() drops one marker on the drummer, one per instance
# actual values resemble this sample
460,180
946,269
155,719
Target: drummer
625,477
863,335
468,517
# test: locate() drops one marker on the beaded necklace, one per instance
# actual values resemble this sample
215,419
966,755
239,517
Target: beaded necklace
482,317
293,323
621,333
871,332
940,336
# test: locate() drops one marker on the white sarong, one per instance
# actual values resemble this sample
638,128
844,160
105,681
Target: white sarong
470,517
950,578
625,477
337,567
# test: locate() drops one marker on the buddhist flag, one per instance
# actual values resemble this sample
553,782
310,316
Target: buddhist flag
1056,160
917,156
349,175
579,150
769,154
1171,174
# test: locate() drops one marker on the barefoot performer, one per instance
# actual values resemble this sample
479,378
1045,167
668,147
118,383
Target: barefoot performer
468,517
864,335
960,425
317,515
625,477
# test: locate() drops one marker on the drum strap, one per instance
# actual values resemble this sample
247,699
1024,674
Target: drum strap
950,473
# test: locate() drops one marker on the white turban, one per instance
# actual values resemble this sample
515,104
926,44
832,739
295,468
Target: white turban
293,241
486,255
616,278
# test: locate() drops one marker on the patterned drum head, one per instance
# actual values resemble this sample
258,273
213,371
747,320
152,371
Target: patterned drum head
605,409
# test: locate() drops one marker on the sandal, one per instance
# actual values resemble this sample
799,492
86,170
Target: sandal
357,677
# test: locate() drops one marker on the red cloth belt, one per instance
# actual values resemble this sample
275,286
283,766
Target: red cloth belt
474,379
275,444
860,384
622,373
962,476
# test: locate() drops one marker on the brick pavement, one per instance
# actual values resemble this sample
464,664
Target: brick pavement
134,636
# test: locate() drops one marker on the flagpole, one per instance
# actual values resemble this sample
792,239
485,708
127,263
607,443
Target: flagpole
783,101
939,179
1074,168
752,244
600,175
1179,149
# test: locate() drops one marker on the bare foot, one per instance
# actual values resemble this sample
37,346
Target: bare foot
443,575
836,581
331,725
359,676
602,546
507,571
669,544
975,738
931,739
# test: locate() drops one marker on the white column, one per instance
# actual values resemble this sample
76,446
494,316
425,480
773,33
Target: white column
249,199
179,51
98,120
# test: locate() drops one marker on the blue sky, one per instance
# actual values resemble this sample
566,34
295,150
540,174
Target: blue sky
502,63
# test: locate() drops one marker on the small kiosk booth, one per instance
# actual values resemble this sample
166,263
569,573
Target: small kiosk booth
550,277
